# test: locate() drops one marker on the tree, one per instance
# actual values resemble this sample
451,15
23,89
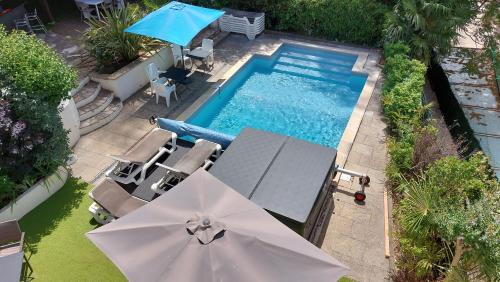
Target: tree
429,26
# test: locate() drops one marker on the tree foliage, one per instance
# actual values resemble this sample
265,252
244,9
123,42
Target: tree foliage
33,143
35,68
429,26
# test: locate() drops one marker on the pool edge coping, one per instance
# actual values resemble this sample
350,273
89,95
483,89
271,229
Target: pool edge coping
359,67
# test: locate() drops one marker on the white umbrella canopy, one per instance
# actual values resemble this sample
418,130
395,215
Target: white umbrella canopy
202,230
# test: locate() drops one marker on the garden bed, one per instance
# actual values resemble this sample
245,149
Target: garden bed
34,196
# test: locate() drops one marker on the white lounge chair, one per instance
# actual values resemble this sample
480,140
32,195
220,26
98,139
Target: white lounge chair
164,90
196,157
111,201
141,156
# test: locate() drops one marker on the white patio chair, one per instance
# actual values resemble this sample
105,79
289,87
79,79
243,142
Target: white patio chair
208,45
85,10
164,91
179,55
35,22
154,74
23,24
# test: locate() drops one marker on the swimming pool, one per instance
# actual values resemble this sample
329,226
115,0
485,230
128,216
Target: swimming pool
308,93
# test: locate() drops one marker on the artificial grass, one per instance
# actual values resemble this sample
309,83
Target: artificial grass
56,232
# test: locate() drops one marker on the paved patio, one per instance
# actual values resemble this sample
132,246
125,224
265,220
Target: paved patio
355,234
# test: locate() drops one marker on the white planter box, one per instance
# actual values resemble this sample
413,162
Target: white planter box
34,196
70,119
238,22
131,78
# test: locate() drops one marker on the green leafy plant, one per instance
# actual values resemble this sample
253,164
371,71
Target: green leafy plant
33,143
452,198
429,26
335,19
107,41
35,68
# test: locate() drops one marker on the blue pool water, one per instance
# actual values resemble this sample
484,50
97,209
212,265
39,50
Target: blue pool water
302,92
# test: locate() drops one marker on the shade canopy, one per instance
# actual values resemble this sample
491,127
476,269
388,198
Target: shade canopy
175,22
202,230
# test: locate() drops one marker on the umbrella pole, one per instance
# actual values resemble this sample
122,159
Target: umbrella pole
182,58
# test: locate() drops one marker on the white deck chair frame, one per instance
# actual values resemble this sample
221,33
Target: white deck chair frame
125,172
173,173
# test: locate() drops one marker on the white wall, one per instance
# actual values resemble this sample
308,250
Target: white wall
70,119
34,196
131,78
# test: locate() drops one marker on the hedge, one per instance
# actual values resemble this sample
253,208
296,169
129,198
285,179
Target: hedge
440,200
352,21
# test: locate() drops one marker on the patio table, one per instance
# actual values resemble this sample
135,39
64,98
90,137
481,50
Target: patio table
95,3
176,74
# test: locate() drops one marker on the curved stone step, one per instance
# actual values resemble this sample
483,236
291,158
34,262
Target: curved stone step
102,118
87,93
97,105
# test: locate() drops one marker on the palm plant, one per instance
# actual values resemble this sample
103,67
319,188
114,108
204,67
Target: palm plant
429,26
107,41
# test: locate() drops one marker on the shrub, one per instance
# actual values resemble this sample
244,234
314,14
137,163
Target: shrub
33,143
107,41
453,198
429,26
438,199
353,21
35,68
335,19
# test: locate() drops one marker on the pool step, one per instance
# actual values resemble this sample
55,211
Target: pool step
339,60
337,78
316,66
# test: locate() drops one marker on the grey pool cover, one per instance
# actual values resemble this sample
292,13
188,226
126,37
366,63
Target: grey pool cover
202,230
286,176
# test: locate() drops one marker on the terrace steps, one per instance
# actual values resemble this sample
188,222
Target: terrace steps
96,106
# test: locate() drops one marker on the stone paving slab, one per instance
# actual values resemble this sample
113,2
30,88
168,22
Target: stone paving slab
355,234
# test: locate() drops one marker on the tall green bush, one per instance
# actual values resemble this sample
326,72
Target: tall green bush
33,143
453,198
429,26
353,21
35,68
438,198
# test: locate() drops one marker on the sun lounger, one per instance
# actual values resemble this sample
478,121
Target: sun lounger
141,156
196,157
111,201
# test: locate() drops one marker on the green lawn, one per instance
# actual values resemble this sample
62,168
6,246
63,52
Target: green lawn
56,230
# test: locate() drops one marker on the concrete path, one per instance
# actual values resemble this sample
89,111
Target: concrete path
355,234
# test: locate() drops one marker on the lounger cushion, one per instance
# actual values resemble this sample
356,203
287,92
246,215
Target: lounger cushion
196,157
115,199
147,147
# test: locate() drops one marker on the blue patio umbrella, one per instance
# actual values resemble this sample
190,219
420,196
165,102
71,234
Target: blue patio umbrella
175,22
